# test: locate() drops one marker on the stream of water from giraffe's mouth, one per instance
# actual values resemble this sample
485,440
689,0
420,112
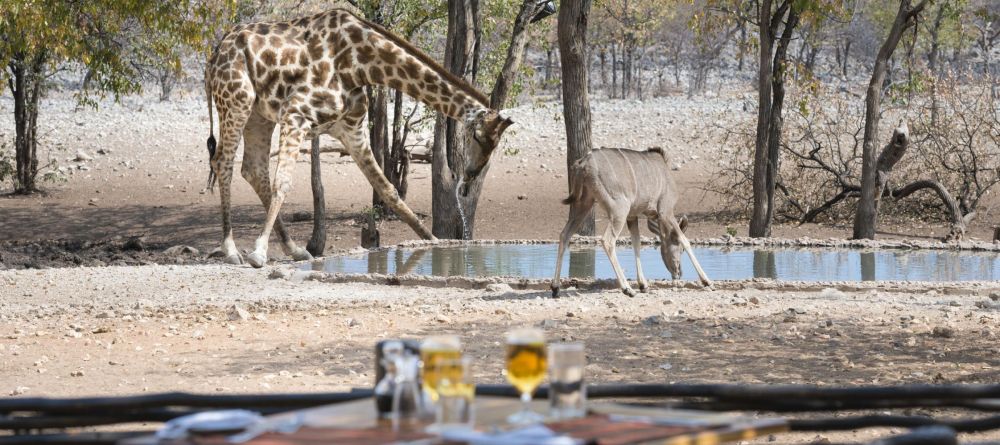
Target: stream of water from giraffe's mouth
461,211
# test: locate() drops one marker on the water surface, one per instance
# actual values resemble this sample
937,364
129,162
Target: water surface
719,262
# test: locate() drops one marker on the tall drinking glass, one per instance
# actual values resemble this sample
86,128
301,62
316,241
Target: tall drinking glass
433,350
526,359
456,391
567,391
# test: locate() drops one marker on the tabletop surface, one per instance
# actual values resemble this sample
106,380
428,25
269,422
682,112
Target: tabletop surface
697,427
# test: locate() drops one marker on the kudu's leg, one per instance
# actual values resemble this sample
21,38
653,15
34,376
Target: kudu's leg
633,226
256,153
578,212
616,222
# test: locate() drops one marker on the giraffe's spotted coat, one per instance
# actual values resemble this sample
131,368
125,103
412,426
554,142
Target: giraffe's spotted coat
306,77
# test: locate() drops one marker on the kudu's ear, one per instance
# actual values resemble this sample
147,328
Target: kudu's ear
683,223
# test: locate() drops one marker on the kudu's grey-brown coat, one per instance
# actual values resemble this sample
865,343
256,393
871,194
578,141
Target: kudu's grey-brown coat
628,184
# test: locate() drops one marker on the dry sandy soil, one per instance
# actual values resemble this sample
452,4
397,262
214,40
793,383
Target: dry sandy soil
171,326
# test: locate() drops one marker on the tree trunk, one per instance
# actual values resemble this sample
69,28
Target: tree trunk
847,53
378,135
867,213
454,216
572,31
448,220
26,88
614,71
778,101
760,226
317,243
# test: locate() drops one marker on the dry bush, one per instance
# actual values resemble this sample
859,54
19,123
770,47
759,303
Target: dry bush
953,156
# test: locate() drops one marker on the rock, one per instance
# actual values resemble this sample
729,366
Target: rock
547,324
301,216
653,320
754,300
280,274
103,151
666,366
82,156
995,296
943,332
498,288
19,390
832,293
441,318
136,243
181,250
105,314
237,313
77,373
522,197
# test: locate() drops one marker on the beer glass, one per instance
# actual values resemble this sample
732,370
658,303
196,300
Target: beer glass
433,350
567,392
526,359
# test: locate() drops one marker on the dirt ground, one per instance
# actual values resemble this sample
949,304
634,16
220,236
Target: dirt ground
156,321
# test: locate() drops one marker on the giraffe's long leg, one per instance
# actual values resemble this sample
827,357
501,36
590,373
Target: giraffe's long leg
293,131
256,155
233,114
352,133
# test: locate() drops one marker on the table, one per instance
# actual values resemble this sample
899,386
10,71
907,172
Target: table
492,412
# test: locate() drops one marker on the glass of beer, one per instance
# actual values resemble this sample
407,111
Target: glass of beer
433,351
526,359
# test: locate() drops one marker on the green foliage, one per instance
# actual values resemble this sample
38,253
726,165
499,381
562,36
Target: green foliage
731,231
112,39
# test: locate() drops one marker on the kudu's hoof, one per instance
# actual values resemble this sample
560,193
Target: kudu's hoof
257,260
234,259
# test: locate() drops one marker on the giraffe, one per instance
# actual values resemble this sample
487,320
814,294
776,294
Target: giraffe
306,76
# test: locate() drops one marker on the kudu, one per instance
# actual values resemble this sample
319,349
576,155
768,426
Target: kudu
628,184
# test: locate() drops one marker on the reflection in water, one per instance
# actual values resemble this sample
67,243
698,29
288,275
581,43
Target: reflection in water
720,263
763,264
582,263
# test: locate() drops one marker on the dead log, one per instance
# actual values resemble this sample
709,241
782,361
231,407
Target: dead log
369,233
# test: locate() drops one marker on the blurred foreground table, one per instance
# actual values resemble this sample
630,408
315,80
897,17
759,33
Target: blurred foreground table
607,424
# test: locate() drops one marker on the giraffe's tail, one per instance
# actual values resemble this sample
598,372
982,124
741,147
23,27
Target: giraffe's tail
211,131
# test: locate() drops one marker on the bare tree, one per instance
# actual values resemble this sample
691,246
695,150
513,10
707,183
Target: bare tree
865,219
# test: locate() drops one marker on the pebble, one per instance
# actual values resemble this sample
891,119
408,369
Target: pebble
653,320
499,288
943,332
237,313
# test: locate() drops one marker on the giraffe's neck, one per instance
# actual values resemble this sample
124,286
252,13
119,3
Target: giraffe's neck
381,58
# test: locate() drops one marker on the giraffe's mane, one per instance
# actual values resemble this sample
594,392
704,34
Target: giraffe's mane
458,82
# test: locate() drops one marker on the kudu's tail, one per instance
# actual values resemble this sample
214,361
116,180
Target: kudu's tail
211,130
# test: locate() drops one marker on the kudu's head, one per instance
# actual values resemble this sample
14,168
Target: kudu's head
670,244
482,136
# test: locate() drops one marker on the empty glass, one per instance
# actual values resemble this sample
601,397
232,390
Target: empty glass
456,392
525,369
567,391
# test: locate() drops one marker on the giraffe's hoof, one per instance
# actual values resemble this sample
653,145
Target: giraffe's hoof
555,291
301,254
234,259
628,291
256,260
643,287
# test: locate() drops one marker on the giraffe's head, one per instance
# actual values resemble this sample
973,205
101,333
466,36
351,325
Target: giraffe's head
482,136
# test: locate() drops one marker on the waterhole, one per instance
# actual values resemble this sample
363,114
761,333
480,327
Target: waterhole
720,263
